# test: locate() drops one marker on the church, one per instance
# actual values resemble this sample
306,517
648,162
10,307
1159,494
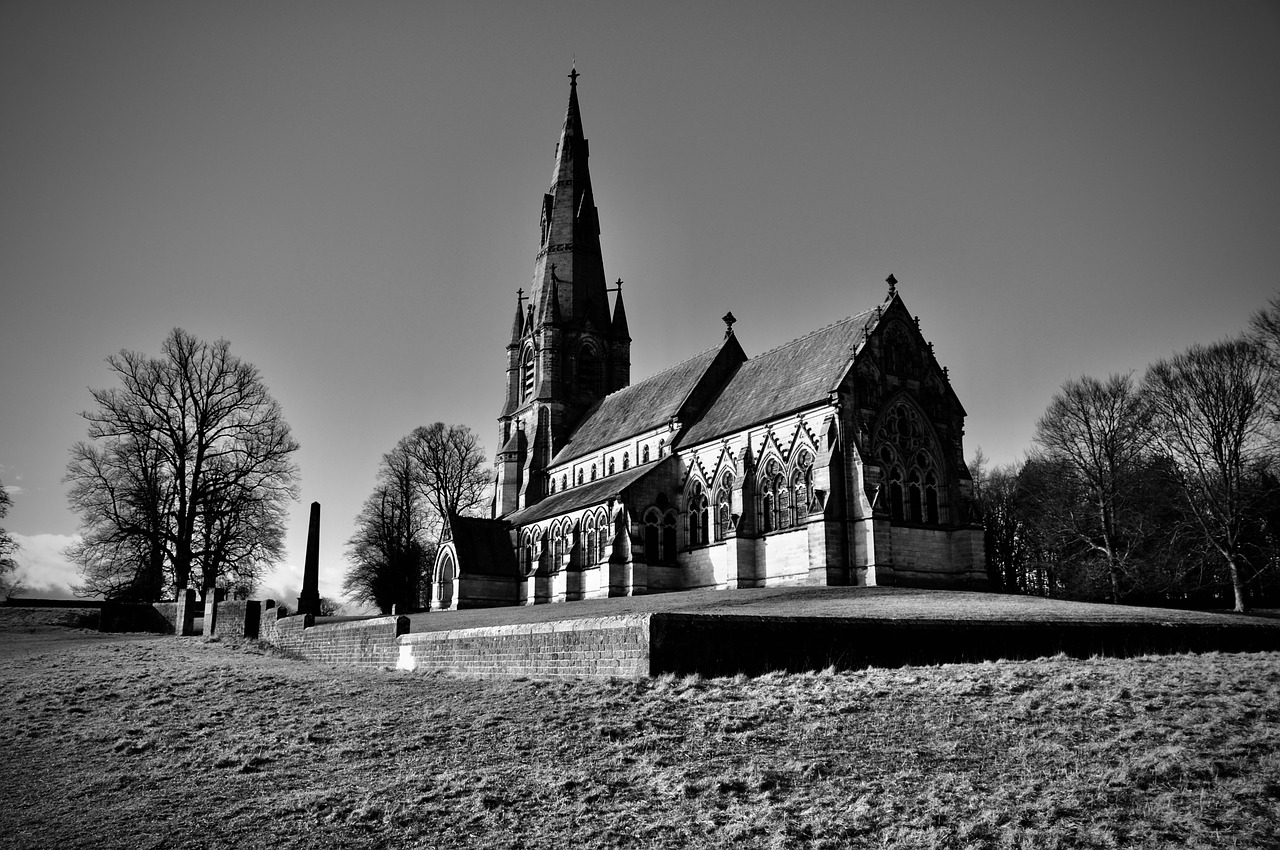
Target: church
835,459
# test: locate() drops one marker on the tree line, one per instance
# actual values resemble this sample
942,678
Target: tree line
1159,490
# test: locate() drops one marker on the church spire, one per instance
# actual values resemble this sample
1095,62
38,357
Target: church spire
571,231
517,327
619,331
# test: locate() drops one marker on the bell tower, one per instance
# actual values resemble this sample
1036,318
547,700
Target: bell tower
567,348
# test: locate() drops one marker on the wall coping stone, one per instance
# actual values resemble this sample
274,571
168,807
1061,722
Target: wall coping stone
586,624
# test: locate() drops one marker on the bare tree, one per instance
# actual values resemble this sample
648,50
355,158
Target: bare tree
1213,411
1099,431
9,584
1264,329
435,472
391,548
452,471
186,475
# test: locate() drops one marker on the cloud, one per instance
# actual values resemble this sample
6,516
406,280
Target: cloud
42,568
13,489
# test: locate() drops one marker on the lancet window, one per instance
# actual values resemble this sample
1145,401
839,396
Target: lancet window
773,490
652,536
724,501
802,487
526,375
698,515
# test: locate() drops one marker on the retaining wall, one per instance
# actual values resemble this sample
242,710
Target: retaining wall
604,646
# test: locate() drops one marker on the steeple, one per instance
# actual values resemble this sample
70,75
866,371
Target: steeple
619,329
568,349
570,230
517,327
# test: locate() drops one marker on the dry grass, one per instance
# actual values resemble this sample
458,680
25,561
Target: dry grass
183,742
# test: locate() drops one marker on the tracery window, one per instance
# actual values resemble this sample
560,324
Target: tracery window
772,491
590,371
915,507
604,534
652,536
802,487
697,515
589,539
895,494
669,537
724,499
931,499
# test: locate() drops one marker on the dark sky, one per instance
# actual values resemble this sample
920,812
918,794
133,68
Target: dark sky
349,193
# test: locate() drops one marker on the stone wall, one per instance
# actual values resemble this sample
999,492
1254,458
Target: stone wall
605,646
355,643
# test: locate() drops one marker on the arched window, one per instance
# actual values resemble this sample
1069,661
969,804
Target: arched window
593,472
895,494
772,491
604,534
802,487
698,518
564,482
662,446
579,476
724,498
526,373
652,536
915,509
931,499
590,371
611,466
669,538
626,460
589,539
444,583
553,484
644,455
557,548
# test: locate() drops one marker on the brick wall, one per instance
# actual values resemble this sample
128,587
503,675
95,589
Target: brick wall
605,646
355,643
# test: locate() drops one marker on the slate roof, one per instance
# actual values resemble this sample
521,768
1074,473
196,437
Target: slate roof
637,408
799,374
483,546
592,493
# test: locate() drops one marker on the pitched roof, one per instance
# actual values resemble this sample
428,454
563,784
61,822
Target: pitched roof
593,493
483,546
792,376
637,408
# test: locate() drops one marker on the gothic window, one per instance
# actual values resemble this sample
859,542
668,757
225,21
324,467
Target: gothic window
915,511
579,476
557,548
895,494
589,539
772,490
611,466
526,373
564,482
669,538
931,499
553,484
697,515
626,460
784,506
724,498
590,377
444,583
662,446
593,472
644,455
602,536
652,536
802,487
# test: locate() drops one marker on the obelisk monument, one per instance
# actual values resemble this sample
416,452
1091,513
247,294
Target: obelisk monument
309,601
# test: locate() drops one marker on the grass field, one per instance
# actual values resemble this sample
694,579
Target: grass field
185,742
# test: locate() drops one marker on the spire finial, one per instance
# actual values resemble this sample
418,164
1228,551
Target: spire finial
728,319
893,285
573,74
